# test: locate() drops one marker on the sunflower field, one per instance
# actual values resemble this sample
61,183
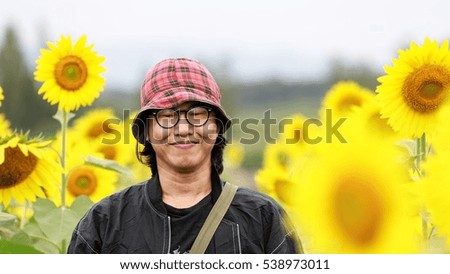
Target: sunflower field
379,186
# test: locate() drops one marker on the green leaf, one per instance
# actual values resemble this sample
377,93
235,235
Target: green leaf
81,205
32,228
8,225
38,239
437,245
107,164
7,220
56,223
410,146
9,247
42,207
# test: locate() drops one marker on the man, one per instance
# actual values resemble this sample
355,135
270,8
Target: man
181,125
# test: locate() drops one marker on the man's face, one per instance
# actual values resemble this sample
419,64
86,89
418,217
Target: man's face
183,148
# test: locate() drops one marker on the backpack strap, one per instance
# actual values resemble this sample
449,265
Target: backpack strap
213,220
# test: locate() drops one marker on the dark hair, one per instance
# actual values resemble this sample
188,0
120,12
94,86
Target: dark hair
148,156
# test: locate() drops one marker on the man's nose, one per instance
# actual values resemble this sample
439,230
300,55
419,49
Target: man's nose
183,128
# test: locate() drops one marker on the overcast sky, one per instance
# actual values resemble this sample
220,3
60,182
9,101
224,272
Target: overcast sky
293,39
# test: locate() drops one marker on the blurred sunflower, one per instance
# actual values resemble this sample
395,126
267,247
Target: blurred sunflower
440,139
4,123
105,133
342,97
368,118
27,169
97,124
70,73
1,96
83,179
233,154
436,190
294,131
94,182
351,199
5,129
280,156
276,183
415,88
22,211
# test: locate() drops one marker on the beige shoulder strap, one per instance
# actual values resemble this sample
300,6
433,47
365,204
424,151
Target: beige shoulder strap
213,220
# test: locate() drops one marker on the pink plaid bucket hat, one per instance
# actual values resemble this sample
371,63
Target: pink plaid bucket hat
173,82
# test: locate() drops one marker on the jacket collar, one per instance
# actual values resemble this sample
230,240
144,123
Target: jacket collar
155,192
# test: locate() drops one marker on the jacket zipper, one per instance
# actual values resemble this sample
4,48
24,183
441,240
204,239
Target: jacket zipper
170,235
239,239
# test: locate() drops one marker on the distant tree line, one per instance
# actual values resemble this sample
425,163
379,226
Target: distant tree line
22,106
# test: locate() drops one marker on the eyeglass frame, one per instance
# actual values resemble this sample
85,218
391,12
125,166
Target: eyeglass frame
179,111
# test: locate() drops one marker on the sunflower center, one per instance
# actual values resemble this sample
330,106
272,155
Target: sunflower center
109,151
283,159
71,72
82,181
297,136
358,209
99,129
16,167
425,89
348,102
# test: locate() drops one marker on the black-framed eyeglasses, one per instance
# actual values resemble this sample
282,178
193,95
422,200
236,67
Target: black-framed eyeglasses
196,116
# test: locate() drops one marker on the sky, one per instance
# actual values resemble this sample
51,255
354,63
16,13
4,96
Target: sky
249,39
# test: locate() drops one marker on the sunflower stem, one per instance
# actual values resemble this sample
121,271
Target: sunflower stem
64,124
63,247
421,156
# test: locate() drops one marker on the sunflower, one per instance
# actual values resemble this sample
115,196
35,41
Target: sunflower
70,73
83,179
351,199
5,129
294,131
22,211
281,156
280,163
106,133
342,97
97,124
276,183
368,118
233,154
436,190
94,182
440,139
414,90
28,169
1,96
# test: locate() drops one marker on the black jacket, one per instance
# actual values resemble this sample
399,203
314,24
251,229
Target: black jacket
135,221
